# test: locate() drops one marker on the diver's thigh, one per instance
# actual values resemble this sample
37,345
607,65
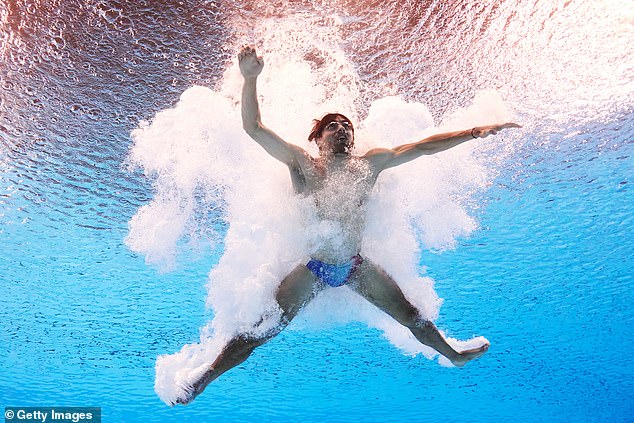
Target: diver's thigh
296,290
374,284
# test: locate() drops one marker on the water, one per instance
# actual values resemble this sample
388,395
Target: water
527,236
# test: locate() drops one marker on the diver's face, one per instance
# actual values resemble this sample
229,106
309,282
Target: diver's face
338,136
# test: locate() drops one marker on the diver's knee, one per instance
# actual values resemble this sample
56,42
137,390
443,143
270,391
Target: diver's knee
410,318
253,341
424,330
241,347
424,324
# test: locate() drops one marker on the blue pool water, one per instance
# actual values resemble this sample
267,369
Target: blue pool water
544,275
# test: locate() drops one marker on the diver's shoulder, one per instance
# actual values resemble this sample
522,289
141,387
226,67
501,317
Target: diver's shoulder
378,156
378,153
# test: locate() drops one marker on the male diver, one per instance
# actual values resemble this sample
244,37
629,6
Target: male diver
340,183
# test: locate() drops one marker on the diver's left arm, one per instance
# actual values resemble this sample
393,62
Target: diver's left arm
386,158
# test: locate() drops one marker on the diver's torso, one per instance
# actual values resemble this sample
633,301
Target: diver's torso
340,187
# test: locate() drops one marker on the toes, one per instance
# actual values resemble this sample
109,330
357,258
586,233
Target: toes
186,397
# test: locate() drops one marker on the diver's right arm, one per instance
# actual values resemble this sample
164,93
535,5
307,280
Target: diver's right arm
250,67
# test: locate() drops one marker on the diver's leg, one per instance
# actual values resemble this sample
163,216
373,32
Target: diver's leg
379,288
295,291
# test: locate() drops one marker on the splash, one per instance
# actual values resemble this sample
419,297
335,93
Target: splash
199,159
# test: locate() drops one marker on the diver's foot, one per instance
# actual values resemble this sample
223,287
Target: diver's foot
191,391
185,397
467,355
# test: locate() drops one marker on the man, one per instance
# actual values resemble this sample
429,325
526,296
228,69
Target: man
340,183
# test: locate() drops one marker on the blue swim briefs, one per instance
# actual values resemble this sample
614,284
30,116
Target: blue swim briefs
334,274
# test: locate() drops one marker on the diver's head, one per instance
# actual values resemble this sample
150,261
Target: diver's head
333,133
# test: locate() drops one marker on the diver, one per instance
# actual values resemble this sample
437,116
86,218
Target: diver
340,182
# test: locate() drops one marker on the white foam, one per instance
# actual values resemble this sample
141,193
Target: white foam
198,150
175,372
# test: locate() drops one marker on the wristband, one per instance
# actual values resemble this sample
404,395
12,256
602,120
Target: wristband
472,133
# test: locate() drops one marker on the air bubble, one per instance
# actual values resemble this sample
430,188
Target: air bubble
57,27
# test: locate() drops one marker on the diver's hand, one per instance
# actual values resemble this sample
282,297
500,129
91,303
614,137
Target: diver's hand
250,64
483,131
